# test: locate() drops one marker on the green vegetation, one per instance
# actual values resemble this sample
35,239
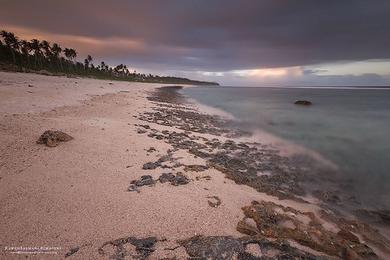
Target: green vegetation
43,57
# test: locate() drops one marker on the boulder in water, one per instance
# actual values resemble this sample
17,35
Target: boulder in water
303,102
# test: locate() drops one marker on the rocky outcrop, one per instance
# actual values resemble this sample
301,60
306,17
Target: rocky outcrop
52,138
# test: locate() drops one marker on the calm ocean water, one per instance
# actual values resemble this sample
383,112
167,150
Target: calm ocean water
350,127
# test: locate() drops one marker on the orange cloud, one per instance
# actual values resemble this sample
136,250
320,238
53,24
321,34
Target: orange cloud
83,44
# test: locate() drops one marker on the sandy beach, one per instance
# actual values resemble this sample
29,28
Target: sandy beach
86,199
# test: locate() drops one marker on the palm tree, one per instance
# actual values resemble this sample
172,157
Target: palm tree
56,51
36,48
103,66
25,48
73,54
45,46
70,54
87,61
12,42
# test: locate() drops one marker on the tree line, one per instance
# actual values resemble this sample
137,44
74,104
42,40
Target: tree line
36,55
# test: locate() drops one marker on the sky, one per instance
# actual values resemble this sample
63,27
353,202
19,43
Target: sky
233,42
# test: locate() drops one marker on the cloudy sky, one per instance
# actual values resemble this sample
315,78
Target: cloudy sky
240,42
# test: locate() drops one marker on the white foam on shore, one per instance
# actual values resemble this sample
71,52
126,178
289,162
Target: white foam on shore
205,109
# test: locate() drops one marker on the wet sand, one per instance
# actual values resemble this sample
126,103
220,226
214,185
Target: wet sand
87,199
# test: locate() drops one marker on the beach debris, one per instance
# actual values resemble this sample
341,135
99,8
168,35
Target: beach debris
72,251
52,138
214,201
143,247
30,86
303,102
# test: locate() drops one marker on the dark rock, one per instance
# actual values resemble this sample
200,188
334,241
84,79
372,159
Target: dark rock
214,247
180,179
246,228
145,180
166,177
226,247
52,138
327,196
347,235
72,251
214,202
207,178
379,216
151,149
176,180
133,187
143,246
303,102
151,165
195,168
141,131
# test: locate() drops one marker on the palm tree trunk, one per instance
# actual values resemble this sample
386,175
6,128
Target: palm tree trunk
13,56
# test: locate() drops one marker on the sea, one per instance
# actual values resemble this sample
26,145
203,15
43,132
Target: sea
349,126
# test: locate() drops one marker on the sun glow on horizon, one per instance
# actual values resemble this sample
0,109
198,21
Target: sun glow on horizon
269,72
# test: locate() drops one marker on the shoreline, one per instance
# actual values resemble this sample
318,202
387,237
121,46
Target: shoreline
77,195
285,147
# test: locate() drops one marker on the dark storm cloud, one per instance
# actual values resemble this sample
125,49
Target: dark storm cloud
217,35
